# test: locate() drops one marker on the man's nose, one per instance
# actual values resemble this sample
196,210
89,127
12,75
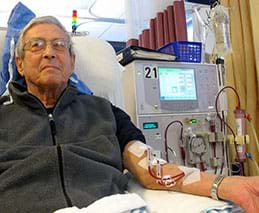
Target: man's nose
49,51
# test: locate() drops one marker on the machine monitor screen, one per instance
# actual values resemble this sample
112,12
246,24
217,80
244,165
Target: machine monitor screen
177,84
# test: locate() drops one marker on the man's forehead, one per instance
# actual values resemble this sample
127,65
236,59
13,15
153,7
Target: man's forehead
45,30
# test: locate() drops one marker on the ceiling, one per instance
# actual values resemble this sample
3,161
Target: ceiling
98,18
103,19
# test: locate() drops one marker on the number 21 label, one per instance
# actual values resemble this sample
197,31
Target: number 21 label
150,72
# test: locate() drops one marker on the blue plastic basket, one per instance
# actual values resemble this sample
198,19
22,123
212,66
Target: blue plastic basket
184,51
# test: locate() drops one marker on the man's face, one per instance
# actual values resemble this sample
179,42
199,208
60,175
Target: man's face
49,68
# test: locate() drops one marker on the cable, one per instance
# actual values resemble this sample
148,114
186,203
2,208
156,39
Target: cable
225,123
222,120
215,156
104,19
223,158
181,139
172,151
217,111
238,166
94,18
227,159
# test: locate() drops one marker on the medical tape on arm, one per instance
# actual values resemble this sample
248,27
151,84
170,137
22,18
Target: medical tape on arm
191,174
150,161
138,149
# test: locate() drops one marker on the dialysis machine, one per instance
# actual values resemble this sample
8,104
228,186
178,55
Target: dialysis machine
173,103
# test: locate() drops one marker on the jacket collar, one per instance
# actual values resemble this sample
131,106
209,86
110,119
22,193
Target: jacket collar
19,95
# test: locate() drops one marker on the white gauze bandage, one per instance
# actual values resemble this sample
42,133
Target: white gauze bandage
191,174
138,149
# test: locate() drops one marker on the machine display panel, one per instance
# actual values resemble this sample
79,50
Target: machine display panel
150,125
177,84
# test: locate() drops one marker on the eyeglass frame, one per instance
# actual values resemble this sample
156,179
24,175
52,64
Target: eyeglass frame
67,44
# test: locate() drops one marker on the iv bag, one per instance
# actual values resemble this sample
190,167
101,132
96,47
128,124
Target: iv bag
220,24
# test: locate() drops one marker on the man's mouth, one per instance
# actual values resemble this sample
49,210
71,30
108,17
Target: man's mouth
50,67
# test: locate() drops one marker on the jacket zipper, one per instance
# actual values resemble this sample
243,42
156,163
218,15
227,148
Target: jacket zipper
60,159
52,128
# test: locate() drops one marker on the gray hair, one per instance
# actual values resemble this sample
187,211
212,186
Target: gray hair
40,20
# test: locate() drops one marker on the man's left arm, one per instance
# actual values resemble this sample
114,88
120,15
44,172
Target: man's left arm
135,159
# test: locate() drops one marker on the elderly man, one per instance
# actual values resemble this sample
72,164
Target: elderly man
60,148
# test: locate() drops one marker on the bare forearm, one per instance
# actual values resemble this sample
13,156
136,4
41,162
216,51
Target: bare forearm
201,186
243,191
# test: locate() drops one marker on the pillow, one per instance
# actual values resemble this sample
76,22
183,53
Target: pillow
97,66
18,18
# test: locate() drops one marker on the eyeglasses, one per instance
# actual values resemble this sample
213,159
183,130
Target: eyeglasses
38,45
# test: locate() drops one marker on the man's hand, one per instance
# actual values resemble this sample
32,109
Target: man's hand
243,191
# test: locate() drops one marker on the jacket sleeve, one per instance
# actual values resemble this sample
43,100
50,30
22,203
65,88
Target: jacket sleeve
126,130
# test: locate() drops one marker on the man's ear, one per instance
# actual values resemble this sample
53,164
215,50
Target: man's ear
19,65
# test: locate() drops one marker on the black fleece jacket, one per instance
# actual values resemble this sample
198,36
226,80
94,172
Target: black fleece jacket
70,157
